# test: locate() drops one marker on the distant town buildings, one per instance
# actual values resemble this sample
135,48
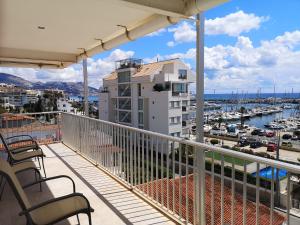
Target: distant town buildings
64,105
13,97
152,96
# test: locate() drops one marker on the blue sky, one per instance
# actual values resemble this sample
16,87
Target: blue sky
250,44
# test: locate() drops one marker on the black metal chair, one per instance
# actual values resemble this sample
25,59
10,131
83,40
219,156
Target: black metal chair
16,143
51,211
21,156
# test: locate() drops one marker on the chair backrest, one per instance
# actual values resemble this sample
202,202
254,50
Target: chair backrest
6,147
7,171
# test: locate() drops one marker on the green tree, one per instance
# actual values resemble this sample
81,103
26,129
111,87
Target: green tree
220,121
242,111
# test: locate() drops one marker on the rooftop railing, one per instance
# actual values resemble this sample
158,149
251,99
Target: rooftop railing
44,127
191,182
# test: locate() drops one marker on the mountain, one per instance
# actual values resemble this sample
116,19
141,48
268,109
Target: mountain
71,88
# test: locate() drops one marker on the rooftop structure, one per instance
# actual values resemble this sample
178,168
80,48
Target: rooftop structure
152,96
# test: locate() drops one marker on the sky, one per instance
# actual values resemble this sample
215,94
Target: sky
249,45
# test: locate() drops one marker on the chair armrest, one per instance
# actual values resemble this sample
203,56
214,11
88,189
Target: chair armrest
55,200
21,135
33,144
51,178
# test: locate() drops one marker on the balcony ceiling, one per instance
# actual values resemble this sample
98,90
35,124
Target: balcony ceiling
57,33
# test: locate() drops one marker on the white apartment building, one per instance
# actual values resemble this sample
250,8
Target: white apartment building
152,96
65,106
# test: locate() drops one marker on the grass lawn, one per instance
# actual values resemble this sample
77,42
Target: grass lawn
227,159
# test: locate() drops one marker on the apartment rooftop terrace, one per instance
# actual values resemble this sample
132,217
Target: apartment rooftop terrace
128,179
112,202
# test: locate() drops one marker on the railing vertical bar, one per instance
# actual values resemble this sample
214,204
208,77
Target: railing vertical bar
173,176
222,189
180,181
152,184
245,194
168,175
101,144
162,171
139,159
212,188
128,156
288,200
257,194
147,162
156,170
186,184
272,198
143,162
131,157
119,153
233,192
134,160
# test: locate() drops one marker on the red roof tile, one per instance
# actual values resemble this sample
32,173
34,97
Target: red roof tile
165,185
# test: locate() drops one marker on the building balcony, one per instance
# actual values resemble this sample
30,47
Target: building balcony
134,176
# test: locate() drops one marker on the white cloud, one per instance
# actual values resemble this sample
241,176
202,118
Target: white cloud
245,67
97,68
184,32
157,33
233,24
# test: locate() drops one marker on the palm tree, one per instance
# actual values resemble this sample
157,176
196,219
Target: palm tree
242,111
220,120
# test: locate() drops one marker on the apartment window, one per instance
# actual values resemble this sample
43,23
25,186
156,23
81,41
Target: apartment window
141,104
182,74
124,90
184,102
174,104
179,88
185,117
139,90
175,134
175,120
124,76
141,118
124,117
125,103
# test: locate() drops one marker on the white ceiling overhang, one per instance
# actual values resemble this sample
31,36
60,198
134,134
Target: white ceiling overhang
57,33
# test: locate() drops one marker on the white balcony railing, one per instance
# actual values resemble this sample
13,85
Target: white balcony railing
191,182
44,127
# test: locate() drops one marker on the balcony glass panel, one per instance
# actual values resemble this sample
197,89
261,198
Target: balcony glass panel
125,103
124,90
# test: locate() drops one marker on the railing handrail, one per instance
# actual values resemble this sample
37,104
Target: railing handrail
201,146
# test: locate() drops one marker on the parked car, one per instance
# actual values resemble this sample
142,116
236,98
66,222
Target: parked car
270,134
271,147
255,144
286,136
262,133
243,142
287,144
255,132
295,138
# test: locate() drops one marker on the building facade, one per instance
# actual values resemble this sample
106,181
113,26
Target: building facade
152,96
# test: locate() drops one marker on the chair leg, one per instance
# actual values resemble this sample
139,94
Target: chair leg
43,166
3,186
38,159
37,172
90,218
78,219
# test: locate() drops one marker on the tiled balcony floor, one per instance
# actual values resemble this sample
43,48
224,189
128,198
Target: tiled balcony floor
113,203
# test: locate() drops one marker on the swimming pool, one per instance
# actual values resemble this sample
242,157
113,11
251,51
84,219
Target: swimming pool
267,173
